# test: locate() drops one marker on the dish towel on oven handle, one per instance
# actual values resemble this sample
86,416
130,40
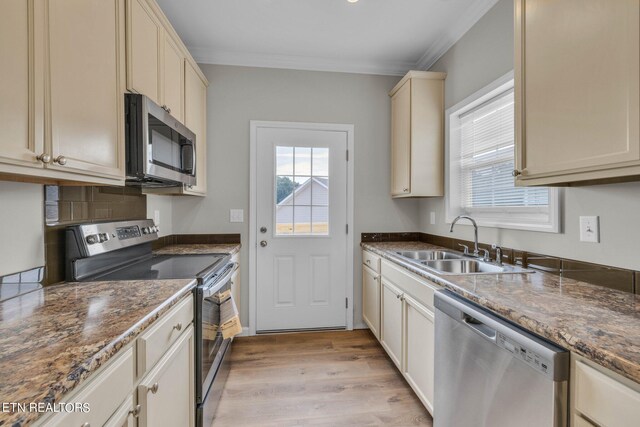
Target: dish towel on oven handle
229,316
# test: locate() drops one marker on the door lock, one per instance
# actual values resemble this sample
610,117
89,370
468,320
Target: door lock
263,243
263,230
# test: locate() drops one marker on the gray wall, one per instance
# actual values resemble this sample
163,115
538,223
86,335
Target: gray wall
240,94
22,219
481,56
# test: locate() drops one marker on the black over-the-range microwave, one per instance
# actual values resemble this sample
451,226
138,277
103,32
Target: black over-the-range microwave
160,151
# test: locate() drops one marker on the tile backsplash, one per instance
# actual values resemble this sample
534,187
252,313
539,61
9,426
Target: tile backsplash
65,205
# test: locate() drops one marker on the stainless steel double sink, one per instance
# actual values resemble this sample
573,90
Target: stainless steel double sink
446,262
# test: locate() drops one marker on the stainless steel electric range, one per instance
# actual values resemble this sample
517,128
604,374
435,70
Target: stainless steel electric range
122,251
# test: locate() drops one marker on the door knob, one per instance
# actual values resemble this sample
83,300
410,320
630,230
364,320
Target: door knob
263,243
263,229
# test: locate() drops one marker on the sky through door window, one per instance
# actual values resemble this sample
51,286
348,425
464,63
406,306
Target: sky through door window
481,148
302,191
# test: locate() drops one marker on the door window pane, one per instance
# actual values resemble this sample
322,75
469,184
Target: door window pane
302,191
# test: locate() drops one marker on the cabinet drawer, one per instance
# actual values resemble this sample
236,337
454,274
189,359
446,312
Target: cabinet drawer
603,399
371,260
104,394
420,289
124,416
154,343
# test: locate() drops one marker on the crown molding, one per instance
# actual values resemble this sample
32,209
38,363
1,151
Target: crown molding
295,62
454,33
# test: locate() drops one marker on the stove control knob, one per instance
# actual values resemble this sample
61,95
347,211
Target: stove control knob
155,229
92,239
104,237
146,230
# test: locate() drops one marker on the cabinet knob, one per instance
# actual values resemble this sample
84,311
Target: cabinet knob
398,296
44,158
178,327
406,190
154,388
368,261
61,160
135,412
516,172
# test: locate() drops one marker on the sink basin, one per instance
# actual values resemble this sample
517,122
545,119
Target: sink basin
470,266
429,255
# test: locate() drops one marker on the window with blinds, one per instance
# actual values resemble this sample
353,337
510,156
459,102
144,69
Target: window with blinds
481,162
487,158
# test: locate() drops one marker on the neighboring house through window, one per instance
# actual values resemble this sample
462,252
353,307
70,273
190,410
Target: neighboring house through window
480,149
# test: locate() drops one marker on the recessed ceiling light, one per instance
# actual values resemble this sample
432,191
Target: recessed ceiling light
352,1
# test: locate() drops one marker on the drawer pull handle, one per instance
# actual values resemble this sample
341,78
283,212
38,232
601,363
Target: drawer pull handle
178,327
154,388
135,412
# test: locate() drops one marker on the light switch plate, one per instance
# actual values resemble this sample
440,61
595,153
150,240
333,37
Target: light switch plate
236,215
590,229
433,218
156,217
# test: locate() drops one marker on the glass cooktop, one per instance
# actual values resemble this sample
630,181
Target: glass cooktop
165,267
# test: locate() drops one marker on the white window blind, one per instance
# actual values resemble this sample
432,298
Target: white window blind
487,160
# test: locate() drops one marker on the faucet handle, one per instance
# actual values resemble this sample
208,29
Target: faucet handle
466,248
498,250
485,254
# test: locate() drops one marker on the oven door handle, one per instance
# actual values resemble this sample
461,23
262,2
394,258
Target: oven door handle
211,290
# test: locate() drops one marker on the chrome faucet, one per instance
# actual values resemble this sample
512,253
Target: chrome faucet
498,250
476,252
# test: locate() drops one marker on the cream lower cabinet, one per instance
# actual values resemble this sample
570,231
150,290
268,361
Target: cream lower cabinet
577,91
417,135
600,397
166,394
149,383
391,318
407,330
371,299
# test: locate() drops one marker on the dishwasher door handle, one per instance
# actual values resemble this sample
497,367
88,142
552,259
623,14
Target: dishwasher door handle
479,327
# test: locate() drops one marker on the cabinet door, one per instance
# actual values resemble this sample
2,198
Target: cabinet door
144,34
401,141
86,86
577,97
173,78
371,299
16,90
166,395
195,118
391,330
419,350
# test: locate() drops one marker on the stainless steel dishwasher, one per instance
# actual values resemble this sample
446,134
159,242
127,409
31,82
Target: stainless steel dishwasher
490,373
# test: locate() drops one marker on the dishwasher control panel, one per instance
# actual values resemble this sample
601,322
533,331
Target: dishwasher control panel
531,358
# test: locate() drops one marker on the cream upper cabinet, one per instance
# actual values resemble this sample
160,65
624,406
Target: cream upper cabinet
577,91
371,299
166,395
195,115
85,109
173,78
144,35
417,135
18,144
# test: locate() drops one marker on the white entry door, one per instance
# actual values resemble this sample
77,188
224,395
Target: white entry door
301,220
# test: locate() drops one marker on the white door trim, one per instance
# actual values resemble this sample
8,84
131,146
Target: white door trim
253,239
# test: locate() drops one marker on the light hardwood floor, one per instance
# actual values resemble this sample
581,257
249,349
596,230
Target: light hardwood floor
317,378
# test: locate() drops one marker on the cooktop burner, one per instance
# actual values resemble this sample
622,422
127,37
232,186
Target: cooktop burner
164,267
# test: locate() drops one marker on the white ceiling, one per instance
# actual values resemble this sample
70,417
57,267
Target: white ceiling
370,36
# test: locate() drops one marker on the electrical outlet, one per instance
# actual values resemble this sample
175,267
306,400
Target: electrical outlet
589,229
433,218
236,215
156,217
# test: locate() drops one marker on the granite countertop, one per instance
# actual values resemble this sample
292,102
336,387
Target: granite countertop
598,323
231,249
52,339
